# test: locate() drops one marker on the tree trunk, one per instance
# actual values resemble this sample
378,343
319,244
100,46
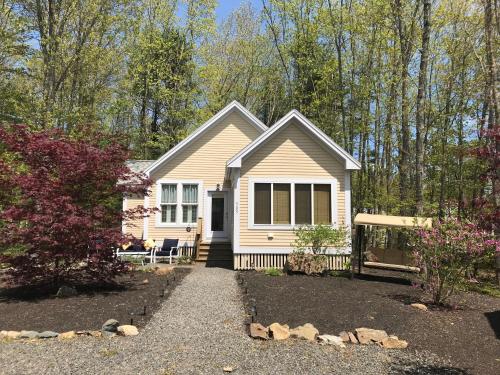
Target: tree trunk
419,121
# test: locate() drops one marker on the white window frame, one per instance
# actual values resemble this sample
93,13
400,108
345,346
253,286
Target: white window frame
178,212
292,181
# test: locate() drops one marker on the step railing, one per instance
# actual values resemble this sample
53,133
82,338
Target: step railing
199,237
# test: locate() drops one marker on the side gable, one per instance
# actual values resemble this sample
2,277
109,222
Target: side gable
315,132
232,107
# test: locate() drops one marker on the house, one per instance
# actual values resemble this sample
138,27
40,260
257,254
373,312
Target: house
250,185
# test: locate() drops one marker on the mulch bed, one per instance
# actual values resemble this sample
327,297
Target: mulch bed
39,309
468,335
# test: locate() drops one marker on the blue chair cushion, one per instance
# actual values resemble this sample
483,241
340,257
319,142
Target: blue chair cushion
167,247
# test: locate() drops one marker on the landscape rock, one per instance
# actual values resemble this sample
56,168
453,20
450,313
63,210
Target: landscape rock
111,325
95,333
228,369
128,330
368,335
47,335
67,335
392,342
258,331
419,306
279,332
108,334
331,340
28,335
344,336
10,334
353,338
162,271
145,281
66,291
306,332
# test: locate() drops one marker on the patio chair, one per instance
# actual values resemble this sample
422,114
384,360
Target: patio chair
169,249
136,249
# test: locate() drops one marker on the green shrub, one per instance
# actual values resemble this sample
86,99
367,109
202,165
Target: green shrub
273,271
318,238
184,259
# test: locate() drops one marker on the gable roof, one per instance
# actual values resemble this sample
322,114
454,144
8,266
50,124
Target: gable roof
322,138
230,108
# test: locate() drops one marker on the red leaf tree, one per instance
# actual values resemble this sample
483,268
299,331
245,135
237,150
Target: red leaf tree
60,205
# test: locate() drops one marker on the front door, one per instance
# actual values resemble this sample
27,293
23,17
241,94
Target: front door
217,213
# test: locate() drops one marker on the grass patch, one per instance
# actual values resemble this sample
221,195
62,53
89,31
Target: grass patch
273,271
108,352
488,288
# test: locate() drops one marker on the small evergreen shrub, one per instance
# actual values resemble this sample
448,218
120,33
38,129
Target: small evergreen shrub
273,271
184,259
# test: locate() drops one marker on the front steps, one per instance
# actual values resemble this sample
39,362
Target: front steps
216,254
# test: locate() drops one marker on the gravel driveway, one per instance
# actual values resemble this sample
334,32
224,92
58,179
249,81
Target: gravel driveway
199,330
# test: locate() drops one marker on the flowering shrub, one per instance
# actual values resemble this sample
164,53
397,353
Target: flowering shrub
447,252
60,205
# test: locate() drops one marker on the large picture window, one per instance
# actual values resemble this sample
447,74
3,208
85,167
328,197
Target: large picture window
178,203
277,203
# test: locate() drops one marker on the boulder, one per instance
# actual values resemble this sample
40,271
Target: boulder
47,335
228,369
67,335
108,334
28,335
128,330
331,340
392,342
162,271
368,335
10,334
344,336
95,333
258,331
66,291
306,332
353,338
145,281
279,332
419,306
111,325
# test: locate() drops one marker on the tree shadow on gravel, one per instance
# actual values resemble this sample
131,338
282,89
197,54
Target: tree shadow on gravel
411,369
384,279
494,320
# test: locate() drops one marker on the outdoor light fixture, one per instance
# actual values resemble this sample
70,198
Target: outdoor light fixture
218,187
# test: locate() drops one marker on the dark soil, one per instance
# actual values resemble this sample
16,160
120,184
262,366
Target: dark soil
468,335
36,308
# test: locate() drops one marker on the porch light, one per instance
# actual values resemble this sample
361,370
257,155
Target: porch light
218,187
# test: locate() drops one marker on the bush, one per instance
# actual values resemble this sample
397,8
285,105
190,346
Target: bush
447,253
318,238
60,204
184,260
273,271
310,264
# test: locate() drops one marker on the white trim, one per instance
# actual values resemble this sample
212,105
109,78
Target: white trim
233,106
292,181
350,162
347,199
236,209
178,212
145,230
286,250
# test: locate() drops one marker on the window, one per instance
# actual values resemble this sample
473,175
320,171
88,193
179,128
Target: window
303,204
178,203
262,204
281,204
189,203
168,203
292,203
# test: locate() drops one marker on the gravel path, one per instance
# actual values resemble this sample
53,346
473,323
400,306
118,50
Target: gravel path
199,330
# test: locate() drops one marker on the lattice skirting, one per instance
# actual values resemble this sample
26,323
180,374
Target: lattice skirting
261,261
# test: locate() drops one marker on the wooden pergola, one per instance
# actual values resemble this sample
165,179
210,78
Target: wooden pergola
363,220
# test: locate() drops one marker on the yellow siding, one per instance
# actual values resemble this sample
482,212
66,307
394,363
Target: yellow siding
134,227
290,153
204,159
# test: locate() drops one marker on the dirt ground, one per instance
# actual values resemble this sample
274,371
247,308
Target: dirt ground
40,310
468,335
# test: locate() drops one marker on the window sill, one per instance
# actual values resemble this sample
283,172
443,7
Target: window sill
279,226
175,225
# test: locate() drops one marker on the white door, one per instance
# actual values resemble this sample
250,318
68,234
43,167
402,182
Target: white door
216,215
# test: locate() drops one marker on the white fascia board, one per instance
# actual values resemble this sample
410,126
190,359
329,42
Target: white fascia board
234,105
350,162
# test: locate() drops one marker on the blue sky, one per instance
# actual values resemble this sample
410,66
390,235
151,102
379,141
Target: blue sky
227,6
